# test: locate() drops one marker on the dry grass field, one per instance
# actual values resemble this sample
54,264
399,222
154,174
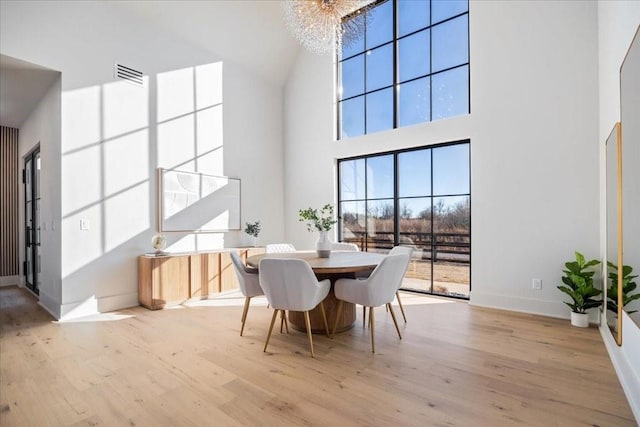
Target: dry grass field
448,277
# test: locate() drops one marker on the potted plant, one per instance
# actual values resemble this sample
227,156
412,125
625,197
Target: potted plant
628,286
253,229
578,284
322,221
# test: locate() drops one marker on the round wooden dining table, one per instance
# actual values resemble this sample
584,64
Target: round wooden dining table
339,265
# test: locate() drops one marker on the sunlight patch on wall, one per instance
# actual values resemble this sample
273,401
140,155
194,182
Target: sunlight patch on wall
81,249
105,170
126,162
126,215
190,127
125,108
209,137
81,179
209,80
176,143
176,94
81,118
184,244
210,240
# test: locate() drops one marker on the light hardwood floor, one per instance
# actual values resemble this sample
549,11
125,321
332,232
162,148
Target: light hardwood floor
456,365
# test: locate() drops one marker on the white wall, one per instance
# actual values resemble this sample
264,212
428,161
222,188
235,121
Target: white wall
43,127
114,135
617,24
534,148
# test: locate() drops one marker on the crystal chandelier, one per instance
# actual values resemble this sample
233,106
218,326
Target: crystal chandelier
318,26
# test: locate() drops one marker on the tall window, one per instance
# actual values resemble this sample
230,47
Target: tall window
411,66
419,198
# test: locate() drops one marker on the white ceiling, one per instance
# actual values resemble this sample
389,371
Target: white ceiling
22,85
252,34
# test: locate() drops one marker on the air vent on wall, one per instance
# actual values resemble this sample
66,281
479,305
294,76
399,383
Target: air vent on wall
128,74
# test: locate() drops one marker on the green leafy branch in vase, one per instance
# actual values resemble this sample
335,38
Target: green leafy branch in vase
253,229
321,220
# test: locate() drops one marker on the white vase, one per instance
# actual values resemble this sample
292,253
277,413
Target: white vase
323,245
580,320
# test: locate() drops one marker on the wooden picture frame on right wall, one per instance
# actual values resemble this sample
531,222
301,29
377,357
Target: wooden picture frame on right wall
614,230
630,164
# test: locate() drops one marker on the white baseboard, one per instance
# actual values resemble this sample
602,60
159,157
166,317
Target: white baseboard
92,305
624,359
541,307
118,302
9,281
520,304
50,304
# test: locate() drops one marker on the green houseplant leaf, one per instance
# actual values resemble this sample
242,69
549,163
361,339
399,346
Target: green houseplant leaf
578,284
628,287
318,220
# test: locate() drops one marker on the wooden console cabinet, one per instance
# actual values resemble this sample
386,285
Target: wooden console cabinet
173,279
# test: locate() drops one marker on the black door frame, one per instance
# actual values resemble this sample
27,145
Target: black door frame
31,226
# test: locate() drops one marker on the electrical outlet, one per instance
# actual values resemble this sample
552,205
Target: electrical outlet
537,284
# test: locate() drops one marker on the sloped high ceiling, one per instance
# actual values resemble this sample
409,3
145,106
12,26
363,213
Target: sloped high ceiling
22,86
250,33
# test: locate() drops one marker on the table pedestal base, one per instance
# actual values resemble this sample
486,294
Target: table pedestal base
347,320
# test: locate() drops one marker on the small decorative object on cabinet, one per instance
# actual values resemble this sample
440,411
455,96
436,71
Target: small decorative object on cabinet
578,278
159,242
321,221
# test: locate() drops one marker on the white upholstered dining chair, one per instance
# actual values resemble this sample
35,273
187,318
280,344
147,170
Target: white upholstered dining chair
249,284
343,246
408,251
352,247
376,290
290,284
274,248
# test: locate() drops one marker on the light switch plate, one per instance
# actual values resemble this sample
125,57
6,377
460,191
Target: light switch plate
84,224
537,284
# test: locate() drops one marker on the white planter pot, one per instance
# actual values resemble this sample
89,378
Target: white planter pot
323,245
580,320
612,321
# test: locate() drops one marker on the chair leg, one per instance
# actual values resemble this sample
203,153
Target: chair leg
273,320
393,316
283,321
324,318
401,307
364,315
338,315
372,327
308,323
244,313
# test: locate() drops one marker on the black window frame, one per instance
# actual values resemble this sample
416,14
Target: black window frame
397,198
395,85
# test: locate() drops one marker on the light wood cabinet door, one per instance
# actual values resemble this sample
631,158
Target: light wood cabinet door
163,281
205,275
174,279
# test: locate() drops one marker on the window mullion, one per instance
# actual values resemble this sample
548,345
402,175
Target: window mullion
431,90
395,65
396,202
412,99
